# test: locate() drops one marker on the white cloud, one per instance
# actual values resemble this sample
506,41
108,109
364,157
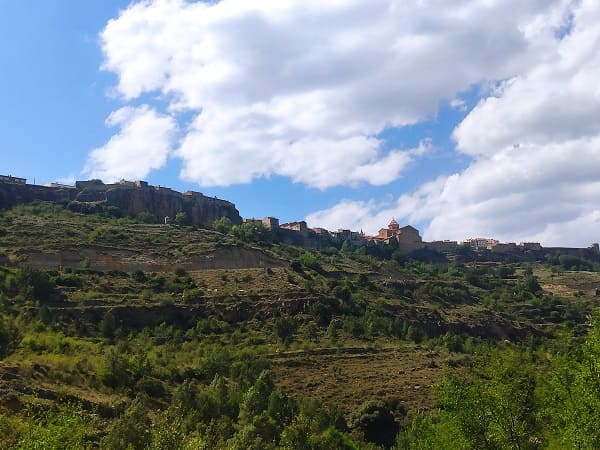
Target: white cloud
301,88
142,144
536,149
458,104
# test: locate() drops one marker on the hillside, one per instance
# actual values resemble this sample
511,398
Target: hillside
101,315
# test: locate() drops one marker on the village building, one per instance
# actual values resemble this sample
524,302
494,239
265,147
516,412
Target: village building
271,223
321,231
406,236
479,244
295,226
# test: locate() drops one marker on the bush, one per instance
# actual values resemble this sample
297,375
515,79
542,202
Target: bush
222,225
138,276
10,337
36,284
108,325
131,430
285,327
181,218
54,429
309,260
145,217
377,423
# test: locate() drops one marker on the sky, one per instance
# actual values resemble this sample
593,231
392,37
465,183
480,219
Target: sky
479,120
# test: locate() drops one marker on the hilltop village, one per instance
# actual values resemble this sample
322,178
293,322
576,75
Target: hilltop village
132,198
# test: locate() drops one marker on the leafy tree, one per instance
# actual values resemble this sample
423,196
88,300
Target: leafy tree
36,284
256,399
574,394
347,247
251,232
132,429
138,276
377,423
10,337
285,327
181,218
309,260
222,225
108,325
116,369
498,411
145,217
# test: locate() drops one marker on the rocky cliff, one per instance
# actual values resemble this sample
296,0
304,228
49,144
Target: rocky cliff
130,199
17,194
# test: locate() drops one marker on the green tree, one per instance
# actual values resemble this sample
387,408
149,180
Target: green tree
145,217
131,430
36,284
574,394
376,422
108,325
181,218
10,337
285,327
498,411
222,225
251,232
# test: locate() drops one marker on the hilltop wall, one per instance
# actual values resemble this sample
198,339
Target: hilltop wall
131,200
16,194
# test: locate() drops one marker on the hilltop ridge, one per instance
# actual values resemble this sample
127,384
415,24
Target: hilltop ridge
122,198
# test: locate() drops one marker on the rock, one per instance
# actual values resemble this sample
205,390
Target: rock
131,199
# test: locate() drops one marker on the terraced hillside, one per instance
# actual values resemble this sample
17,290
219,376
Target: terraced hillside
97,311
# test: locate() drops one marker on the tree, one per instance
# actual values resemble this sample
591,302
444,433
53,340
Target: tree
285,327
377,423
250,232
10,337
256,399
36,284
497,410
108,325
222,225
574,399
132,429
181,218
145,217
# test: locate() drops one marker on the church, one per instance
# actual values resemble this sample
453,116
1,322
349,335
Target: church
406,235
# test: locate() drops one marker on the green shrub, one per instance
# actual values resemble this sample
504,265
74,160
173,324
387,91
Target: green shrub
57,429
131,430
222,225
10,336
285,327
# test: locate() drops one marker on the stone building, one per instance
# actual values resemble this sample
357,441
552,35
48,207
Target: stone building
406,235
478,244
271,223
300,226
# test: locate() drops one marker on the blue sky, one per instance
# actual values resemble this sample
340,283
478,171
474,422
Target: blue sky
345,114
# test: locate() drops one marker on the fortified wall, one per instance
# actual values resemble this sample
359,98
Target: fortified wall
131,198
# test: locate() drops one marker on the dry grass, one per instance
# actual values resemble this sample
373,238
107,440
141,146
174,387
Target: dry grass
347,377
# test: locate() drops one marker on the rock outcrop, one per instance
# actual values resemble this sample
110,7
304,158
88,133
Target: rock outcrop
126,198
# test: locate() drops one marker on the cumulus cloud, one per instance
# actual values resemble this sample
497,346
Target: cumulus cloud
535,144
142,144
303,88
